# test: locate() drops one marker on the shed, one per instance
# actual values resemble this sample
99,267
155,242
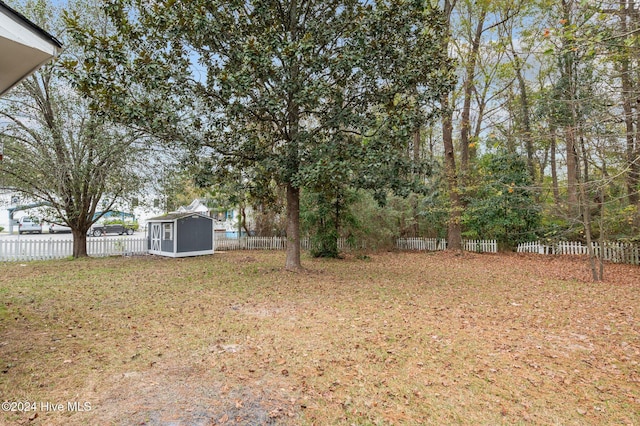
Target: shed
180,234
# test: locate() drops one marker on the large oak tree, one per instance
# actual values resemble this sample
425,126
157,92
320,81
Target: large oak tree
272,85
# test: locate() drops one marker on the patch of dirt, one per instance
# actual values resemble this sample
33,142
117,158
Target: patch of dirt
184,398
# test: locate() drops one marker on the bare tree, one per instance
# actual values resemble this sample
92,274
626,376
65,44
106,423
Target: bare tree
59,152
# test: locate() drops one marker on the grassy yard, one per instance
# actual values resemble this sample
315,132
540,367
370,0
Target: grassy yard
397,338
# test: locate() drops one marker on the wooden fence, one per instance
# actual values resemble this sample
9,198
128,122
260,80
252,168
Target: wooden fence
610,251
25,249
434,244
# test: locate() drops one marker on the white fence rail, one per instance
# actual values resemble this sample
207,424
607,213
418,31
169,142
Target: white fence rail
267,243
610,251
26,249
421,244
434,244
251,243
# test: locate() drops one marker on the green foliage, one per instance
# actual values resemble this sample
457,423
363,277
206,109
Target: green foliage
619,223
503,205
326,217
376,226
128,224
296,93
1,228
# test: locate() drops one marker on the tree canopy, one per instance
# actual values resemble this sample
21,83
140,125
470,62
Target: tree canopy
60,152
278,87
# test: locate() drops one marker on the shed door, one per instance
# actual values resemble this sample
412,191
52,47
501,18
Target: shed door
155,237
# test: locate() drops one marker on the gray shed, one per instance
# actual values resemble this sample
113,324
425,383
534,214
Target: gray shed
180,234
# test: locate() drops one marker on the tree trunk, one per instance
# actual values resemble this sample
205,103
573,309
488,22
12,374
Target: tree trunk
292,262
629,131
79,243
454,233
526,119
554,168
417,142
569,92
586,216
628,103
465,124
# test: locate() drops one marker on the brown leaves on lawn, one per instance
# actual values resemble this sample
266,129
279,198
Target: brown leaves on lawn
399,338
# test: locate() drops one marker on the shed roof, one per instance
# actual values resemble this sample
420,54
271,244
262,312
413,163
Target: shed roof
24,47
176,216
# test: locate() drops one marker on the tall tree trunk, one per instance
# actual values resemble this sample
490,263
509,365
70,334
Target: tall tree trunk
79,243
417,143
630,132
572,168
454,233
633,161
554,168
292,262
628,15
526,118
585,205
568,77
465,123
586,217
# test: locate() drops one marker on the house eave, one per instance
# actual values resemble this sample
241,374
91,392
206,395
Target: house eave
24,47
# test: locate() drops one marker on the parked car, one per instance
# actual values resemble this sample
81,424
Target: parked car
54,228
29,224
98,230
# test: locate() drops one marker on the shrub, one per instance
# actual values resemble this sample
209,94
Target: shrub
502,207
133,225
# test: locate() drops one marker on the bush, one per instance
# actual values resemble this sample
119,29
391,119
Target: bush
133,225
503,206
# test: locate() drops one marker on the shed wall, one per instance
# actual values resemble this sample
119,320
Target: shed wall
195,233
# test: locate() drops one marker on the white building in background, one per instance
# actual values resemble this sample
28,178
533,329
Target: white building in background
225,223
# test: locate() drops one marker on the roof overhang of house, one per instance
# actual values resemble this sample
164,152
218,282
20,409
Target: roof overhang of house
24,47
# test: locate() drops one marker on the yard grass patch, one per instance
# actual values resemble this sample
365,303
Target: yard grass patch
395,338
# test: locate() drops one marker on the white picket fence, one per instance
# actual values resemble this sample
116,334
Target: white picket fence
267,243
250,243
26,249
610,251
421,244
435,244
